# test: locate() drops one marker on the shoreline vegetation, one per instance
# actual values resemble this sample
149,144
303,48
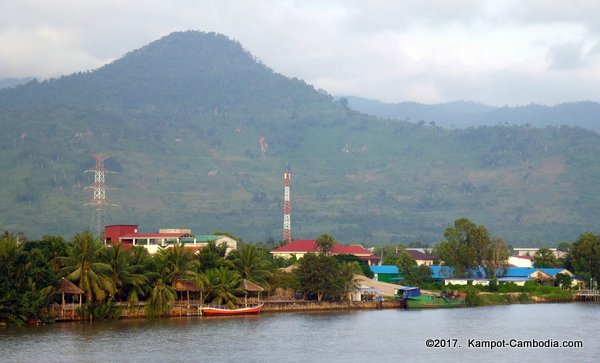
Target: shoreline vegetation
484,299
52,279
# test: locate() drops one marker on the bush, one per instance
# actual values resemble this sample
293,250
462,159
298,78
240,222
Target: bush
99,311
509,287
472,298
523,298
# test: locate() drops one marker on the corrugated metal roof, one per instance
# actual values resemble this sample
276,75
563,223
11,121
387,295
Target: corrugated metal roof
554,271
350,250
519,271
310,245
385,269
154,235
301,245
418,255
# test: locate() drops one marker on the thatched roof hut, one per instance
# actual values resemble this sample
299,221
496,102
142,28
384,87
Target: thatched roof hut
186,285
250,286
67,287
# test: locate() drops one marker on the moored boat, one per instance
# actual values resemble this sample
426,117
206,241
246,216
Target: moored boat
216,311
413,299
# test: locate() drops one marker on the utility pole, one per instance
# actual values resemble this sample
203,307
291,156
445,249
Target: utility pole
287,206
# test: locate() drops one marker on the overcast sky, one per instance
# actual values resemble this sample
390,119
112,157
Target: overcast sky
496,52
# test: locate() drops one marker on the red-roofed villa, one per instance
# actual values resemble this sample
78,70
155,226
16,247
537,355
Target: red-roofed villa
299,248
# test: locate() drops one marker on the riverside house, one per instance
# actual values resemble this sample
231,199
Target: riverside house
299,248
128,235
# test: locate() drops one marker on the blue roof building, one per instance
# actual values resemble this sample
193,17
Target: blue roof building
386,273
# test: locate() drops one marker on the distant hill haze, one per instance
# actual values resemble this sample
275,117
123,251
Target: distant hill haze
462,114
199,133
12,82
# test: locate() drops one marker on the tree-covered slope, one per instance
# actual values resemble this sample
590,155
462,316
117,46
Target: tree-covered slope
199,133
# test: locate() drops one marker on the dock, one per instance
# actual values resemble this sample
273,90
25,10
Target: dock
588,295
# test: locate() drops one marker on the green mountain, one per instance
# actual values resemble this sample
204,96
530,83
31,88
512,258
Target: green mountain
199,133
464,114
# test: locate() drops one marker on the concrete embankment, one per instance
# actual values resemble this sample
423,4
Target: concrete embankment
324,306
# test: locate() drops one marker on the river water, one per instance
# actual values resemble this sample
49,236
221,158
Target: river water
354,336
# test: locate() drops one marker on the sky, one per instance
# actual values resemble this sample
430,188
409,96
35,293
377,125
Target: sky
430,51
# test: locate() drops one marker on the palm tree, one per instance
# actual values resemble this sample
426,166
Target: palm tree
212,256
82,266
127,276
179,261
325,243
347,280
160,299
221,286
250,264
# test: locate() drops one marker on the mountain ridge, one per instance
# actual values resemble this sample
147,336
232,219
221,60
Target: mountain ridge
462,114
200,133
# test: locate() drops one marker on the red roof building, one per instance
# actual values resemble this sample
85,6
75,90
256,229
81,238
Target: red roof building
299,248
129,236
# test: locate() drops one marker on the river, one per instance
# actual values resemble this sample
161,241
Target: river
352,336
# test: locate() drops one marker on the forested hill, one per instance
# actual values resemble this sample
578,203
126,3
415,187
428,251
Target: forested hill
464,114
199,133
187,71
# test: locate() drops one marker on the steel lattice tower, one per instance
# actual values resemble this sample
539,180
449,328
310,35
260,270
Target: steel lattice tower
99,202
287,207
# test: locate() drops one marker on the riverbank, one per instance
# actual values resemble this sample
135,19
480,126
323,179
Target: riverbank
322,306
482,299
180,308
506,298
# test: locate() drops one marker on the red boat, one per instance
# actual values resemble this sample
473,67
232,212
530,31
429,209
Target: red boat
225,311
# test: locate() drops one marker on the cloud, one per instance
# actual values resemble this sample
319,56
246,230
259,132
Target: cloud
425,51
566,55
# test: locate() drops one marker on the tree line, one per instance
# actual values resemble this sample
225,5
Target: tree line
469,250
30,273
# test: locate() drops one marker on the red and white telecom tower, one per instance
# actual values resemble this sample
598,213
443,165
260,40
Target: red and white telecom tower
287,206
98,202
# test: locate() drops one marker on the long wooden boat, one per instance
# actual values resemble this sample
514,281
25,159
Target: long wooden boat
212,311
430,301
412,299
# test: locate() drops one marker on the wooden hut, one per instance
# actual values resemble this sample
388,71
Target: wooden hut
66,287
186,286
249,286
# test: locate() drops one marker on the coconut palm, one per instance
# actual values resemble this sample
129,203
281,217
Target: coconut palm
127,276
160,299
251,264
325,243
82,265
161,294
179,261
212,256
347,280
221,286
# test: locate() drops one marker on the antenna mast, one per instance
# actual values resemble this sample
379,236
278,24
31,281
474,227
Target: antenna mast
98,202
287,206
